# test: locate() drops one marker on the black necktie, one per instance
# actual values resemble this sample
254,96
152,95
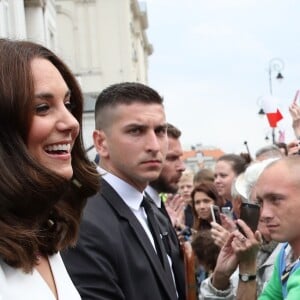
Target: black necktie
164,211
153,226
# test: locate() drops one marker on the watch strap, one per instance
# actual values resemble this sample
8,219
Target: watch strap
247,277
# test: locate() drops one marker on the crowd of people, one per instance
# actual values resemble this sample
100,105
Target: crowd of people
137,224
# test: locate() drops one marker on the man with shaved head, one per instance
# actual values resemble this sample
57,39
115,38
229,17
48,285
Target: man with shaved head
278,193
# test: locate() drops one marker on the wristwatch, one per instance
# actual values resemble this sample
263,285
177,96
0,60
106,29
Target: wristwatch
247,277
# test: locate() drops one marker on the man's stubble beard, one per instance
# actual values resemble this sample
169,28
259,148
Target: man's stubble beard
162,186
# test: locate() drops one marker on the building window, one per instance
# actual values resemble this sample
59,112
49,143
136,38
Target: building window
4,18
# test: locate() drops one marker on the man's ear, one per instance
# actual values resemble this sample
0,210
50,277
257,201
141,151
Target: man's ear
100,142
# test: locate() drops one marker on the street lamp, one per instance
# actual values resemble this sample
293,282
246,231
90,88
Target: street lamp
261,112
276,65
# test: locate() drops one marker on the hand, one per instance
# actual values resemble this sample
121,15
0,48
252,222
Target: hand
175,208
219,234
238,250
294,110
246,247
227,223
226,264
293,147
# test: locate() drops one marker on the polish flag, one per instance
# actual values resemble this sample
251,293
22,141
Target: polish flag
270,107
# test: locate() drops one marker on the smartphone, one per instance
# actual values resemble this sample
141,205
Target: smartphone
226,210
215,213
249,213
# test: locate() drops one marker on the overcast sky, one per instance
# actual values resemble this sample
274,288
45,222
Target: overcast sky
211,60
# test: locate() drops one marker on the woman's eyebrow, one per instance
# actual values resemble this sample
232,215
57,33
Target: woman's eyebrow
49,95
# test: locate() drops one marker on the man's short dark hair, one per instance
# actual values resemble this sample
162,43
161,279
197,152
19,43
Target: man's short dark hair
173,132
123,93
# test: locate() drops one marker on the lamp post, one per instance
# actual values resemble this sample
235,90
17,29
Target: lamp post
276,65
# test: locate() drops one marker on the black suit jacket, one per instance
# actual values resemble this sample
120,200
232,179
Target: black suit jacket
114,258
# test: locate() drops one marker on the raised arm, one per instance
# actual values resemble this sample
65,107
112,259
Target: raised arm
246,248
294,110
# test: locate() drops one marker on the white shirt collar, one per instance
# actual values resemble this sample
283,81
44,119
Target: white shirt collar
154,195
130,195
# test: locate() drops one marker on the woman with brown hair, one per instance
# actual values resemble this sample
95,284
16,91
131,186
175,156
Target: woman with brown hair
227,168
45,174
203,196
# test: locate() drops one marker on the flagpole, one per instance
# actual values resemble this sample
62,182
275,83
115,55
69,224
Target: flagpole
273,135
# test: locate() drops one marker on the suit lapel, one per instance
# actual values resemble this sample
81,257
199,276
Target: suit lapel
116,202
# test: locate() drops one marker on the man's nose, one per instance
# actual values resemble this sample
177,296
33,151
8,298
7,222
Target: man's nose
265,213
181,166
153,143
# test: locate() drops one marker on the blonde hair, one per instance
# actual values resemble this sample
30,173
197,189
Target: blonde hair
187,175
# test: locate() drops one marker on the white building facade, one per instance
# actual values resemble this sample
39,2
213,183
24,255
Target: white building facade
102,41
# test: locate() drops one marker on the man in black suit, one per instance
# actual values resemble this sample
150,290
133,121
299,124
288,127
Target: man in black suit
167,182
117,255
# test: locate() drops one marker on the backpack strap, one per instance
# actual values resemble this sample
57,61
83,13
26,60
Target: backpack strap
284,270
282,264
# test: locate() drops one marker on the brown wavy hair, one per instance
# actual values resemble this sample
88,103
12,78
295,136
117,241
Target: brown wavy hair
39,210
209,189
205,249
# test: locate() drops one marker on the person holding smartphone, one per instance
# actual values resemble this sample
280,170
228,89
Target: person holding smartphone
224,281
205,199
278,191
204,196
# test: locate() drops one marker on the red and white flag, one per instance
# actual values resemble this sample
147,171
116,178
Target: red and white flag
270,107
